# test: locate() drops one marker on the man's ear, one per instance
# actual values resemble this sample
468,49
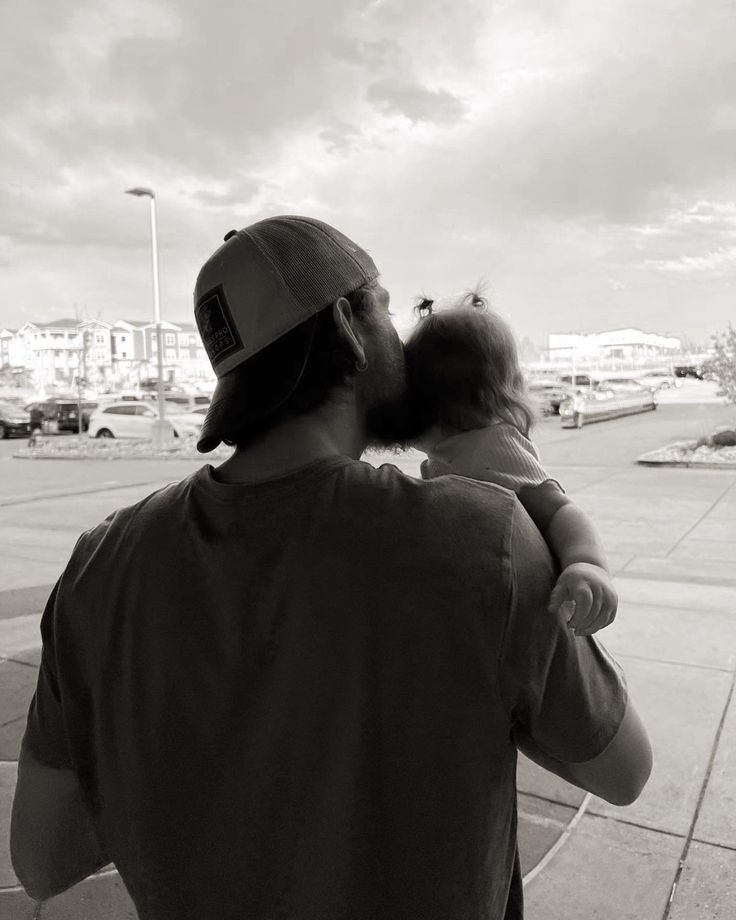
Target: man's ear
344,318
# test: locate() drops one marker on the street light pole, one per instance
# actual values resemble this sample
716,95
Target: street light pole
162,430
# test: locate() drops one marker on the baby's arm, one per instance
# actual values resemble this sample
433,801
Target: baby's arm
585,579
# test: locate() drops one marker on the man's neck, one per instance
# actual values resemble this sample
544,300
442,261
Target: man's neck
294,443
432,437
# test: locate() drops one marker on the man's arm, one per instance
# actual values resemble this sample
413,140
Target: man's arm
570,710
618,775
52,843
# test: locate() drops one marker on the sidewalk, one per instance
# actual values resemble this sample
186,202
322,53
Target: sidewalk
671,536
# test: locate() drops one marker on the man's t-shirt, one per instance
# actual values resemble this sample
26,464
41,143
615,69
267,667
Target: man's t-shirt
294,699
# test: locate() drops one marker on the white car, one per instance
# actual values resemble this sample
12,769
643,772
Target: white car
134,419
662,380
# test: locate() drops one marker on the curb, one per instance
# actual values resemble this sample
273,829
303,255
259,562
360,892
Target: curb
685,464
42,456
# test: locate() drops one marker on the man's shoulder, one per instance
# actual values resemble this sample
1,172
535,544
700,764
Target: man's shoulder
449,497
136,516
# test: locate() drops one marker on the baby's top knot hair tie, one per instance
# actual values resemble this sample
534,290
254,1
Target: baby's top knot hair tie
424,308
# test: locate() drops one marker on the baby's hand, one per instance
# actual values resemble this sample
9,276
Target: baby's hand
588,590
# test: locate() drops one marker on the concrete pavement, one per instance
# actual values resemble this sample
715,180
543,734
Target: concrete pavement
671,535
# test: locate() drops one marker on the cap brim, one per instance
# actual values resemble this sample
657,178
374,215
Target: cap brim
232,404
214,422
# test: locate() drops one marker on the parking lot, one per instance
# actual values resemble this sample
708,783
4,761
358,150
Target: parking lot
671,539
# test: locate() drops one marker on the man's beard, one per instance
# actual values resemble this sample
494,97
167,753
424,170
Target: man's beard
391,420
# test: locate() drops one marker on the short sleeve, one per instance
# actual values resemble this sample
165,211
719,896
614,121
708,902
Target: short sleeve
497,453
566,692
542,501
514,460
45,733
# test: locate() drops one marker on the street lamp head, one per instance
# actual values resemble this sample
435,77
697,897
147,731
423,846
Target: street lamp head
140,192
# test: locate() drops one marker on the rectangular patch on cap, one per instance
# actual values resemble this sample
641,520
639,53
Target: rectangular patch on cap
216,327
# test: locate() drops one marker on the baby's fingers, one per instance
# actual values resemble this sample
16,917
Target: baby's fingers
590,623
584,600
558,597
605,616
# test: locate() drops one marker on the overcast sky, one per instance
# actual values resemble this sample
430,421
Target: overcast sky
579,156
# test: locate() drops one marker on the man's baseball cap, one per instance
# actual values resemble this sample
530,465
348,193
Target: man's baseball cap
262,282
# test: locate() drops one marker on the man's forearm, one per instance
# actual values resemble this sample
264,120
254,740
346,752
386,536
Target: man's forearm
618,774
53,844
530,749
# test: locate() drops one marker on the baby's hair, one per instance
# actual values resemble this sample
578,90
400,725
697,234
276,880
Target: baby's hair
464,369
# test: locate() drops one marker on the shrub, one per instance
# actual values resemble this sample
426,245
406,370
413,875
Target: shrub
721,366
725,438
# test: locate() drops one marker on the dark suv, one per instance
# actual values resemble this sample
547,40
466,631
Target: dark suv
64,413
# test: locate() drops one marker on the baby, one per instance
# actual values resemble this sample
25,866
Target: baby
473,419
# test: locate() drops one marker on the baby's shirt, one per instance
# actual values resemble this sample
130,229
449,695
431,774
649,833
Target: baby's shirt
501,454
497,453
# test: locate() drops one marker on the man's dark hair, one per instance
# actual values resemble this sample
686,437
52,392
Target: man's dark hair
295,374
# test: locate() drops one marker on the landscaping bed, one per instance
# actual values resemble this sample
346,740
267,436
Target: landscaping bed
74,448
717,451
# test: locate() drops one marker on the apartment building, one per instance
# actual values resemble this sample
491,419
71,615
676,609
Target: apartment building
105,354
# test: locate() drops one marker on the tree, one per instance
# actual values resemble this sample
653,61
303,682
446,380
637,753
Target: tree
721,365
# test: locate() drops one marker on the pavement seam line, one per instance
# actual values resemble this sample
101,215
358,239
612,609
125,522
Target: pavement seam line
608,817
714,580
679,664
43,496
699,804
559,843
17,889
717,846
700,520
670,606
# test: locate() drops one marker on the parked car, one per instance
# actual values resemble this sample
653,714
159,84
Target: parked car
581,380
661,379
547,396
66,417
14,420
600,404
624,385
60,413
185,402
689,370
127,419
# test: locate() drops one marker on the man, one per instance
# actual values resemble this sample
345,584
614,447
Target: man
294,685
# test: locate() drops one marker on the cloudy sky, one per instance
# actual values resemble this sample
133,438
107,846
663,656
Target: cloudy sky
579,156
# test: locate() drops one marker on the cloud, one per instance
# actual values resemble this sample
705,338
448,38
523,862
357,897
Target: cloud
417,103
549,147
718,262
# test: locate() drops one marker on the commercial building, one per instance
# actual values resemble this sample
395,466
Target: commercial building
627,346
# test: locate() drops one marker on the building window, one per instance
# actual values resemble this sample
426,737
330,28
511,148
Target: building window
123,354
100,339
171,355
192,339
170,339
